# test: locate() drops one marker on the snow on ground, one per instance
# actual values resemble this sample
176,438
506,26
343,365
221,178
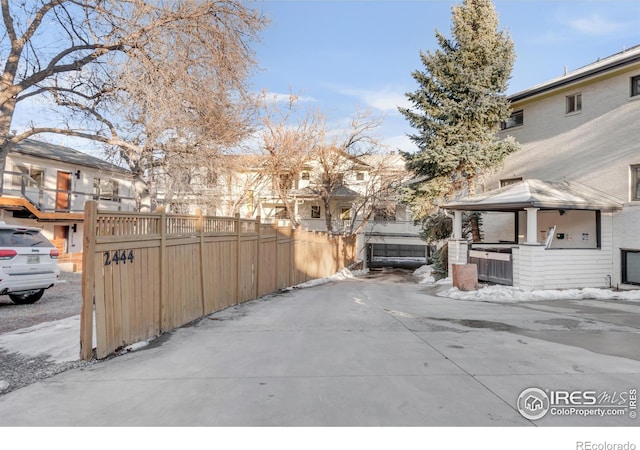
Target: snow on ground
60,339
510,294
342,275
424,274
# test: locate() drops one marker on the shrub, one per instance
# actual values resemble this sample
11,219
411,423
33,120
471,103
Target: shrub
441,262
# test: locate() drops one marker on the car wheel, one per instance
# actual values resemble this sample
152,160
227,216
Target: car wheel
24,298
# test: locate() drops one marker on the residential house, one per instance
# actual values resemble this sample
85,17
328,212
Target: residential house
362,190
47,185
564,210
367,193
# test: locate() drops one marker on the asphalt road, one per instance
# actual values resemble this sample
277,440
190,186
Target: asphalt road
374,351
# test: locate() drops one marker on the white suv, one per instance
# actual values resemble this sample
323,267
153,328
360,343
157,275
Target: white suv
28,263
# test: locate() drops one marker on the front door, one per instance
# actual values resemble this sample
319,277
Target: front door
63,188
60,236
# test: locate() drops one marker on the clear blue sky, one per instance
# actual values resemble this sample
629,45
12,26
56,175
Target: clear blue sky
349,56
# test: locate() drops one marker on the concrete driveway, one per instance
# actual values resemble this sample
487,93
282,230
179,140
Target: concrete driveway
361,352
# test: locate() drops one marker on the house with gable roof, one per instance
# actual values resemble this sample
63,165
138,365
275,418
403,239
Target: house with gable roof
47,185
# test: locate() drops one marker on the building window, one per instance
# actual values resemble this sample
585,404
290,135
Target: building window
212,177
360,176
37,175
515,120
574,103
105,189
510,181
32,176
635,183
250,201
631,266
285,182
315,212
385,214
345,213
305,176
635,85
281,212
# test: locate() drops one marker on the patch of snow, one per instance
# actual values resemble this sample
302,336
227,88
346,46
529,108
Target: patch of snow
509,294
58,339
136,346
424,273
341,275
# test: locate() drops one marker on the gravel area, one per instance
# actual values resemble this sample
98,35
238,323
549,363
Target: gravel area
61,301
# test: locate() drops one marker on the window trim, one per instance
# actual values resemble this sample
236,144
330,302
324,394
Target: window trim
34,172
510,181
31,172
280,213
634,87
107,189
634,183
623,266
573,103
516,119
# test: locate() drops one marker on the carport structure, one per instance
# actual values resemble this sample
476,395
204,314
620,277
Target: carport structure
539,235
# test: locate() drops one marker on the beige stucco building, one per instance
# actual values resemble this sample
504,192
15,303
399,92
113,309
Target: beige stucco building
580,129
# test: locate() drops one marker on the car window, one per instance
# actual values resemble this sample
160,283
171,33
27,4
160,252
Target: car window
23,238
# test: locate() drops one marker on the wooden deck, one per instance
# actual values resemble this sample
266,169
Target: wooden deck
16,203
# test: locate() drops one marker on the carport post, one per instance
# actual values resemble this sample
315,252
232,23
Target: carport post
457,225
532,226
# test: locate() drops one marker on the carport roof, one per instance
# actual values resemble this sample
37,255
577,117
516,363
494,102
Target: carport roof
538,194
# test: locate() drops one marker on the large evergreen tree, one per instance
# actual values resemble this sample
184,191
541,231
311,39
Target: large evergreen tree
458,106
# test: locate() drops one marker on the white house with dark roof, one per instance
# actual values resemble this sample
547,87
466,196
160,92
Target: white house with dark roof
567,205
46,185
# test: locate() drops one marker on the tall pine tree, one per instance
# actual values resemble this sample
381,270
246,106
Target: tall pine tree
459,105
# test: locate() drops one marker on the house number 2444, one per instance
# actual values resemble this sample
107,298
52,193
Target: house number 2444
118,256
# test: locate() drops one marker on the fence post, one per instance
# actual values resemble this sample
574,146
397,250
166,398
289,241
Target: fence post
163,265
293,236
88,280
200,231
238,259
258,264
275,227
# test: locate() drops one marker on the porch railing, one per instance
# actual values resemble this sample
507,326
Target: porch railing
44,198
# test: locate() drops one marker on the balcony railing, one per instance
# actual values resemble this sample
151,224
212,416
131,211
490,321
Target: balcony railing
47,199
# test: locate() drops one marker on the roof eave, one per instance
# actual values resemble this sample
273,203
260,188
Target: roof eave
570,79
510,207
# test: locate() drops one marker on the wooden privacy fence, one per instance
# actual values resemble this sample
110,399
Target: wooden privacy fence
148,273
